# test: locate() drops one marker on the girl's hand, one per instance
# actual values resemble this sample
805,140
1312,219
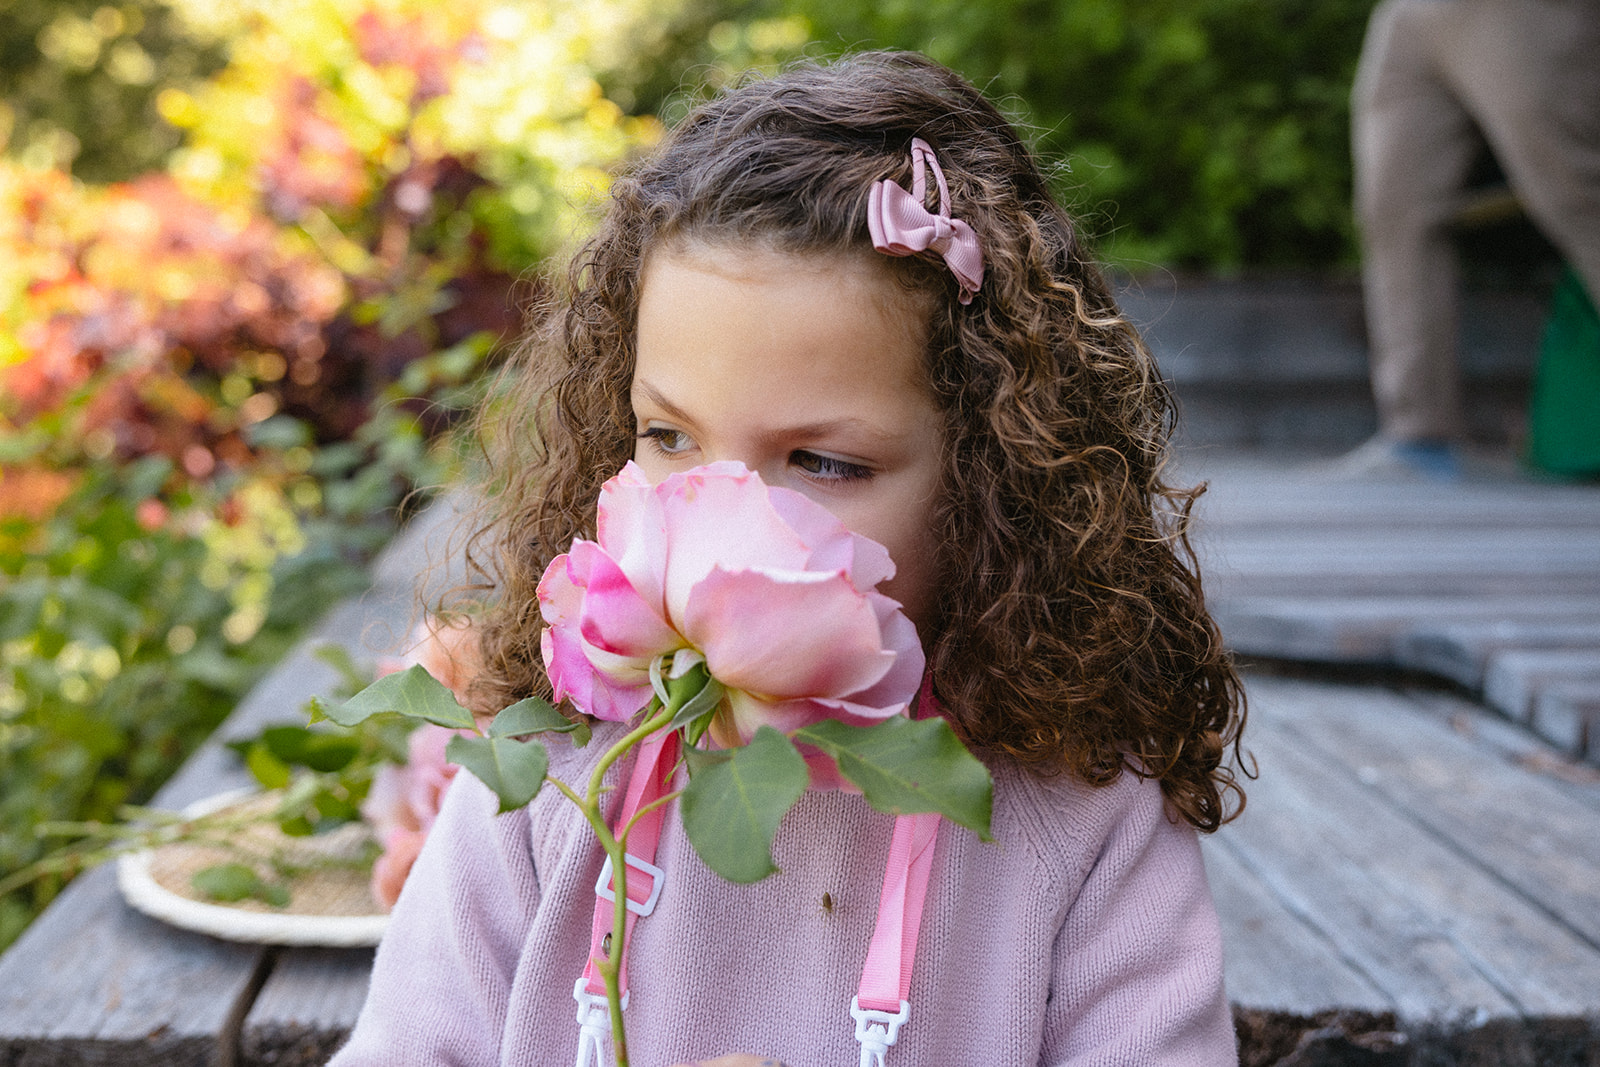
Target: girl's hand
737,1059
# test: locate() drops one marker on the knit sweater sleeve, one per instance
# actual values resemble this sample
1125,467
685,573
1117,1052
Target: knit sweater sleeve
442,977
1137,964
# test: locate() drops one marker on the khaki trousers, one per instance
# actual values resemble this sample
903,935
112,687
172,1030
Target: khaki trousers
1436,78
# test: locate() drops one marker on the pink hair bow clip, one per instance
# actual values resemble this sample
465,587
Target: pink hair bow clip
902,225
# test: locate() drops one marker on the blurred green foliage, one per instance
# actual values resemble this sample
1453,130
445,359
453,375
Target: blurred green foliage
121,625
79,79
1209,134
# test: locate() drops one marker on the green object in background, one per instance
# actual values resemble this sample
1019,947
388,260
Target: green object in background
1564,420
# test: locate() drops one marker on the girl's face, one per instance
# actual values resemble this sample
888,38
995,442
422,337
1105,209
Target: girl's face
808,369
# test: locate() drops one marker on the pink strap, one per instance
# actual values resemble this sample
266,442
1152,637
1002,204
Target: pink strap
902,225
652,773
886,978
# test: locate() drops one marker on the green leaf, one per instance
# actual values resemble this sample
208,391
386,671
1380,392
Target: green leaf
288,743
330,753
266,768
535,716
412,692
334,810
905,766
732,807
513,769
338,657
227,882
697,759
230,882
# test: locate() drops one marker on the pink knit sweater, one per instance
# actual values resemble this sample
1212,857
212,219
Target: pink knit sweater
1084,934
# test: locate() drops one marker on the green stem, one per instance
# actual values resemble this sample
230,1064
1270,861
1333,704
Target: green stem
610,967
656,717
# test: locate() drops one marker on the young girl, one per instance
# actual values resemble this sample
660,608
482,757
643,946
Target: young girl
853,279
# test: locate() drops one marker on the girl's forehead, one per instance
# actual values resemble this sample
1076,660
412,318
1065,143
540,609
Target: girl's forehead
871,276
775,329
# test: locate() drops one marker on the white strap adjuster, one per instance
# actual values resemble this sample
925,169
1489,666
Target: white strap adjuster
877,1030
603,890
594,1026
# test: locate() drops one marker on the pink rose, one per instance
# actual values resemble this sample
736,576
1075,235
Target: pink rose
775,593
446,648
400,849
403,803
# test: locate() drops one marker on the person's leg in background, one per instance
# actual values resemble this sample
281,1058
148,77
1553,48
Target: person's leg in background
1529,73
1413,145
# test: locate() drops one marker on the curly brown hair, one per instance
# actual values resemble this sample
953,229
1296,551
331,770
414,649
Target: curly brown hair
1072,633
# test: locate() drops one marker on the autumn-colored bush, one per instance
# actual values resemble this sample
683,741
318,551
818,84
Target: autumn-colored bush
219,380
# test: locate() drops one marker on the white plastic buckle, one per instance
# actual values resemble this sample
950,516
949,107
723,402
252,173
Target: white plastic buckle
603,890
877,1030
594,1026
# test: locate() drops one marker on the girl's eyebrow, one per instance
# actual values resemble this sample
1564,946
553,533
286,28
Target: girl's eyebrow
659,399
844,424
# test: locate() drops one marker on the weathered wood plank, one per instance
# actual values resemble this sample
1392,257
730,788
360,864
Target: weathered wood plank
1354,629
1273,960
306,1008
92,981
1471,554
1460,651
1515,744
1567,712
1497,813
1224,512
1432,929
1513,678
1289,582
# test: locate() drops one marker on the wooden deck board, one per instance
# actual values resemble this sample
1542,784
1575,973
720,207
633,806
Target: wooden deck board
306,1008
92,981
1357,836
1480,582
1513,821
1276,960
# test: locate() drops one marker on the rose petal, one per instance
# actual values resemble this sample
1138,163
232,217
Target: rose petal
720,515
389,872
561,591
631,526
614,617
825,773
428,772
560,602
832,546
784,635
614,701
448,651
896,688
386,806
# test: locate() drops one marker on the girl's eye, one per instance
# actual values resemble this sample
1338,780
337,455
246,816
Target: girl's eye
666,442
829,469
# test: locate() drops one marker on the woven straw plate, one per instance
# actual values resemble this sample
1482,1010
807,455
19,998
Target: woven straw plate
329,906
